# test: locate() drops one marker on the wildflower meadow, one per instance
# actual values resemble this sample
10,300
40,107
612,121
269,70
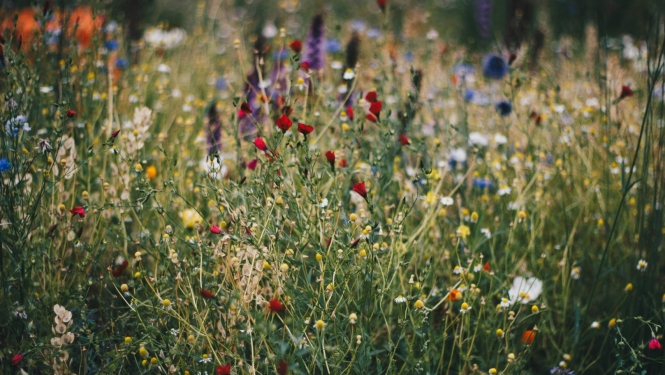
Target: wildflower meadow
321,189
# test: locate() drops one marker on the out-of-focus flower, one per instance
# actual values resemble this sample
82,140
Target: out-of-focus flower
504,108
494,67
528,336
654,344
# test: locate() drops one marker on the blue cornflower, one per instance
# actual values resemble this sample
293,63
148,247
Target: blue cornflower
468,95
121,63
221,84
18,123
111,45
483,183
4,165
504,108
333,45
409,56
494,67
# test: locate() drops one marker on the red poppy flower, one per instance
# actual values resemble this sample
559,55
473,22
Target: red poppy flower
330,156
275,306
282,367
381,4
371,96
115,134
359,188
403,140
284,123
375,108
17,359
205,293
371,117
349,112
305,129
252,164
215,229
245,109
260,144
342,163
304,66
487,267
78,210
71,113
626,92
223,370
528,336
654,344
296,46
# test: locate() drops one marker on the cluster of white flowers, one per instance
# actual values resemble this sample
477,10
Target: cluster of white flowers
166,39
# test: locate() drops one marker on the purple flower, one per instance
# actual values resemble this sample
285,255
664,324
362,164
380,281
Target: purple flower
484,17
314,53
213,130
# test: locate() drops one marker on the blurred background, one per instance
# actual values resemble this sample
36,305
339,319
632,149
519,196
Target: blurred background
476,23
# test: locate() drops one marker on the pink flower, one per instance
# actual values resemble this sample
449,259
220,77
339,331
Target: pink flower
215,229
654,344
252,164
78,210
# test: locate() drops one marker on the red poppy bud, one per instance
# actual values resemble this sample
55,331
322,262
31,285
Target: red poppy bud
342,163
260,144
304,66
205,293
371,117
381,4
71,113
349,112
284,123
121,269
275,306
305,129
359,189
78,210
370,97
330,156
375,108
403,140
252,164
223,370
115,134
355,243
626,92
296,46
17,359
528,336
215,229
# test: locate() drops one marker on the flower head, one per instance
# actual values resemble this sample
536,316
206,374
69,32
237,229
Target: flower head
205,293
305,129
626,91
642,265
275,306
78,210
330,156
494,67
71,113
504,108
525,290
4,165
284,123
223,369
360,189
528,336
296,45
260,144
654,344
17,359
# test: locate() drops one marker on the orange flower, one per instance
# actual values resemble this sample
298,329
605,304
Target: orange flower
528,336
455,295
151,171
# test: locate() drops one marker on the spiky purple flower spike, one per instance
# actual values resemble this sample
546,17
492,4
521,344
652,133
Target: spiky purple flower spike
246,127
315,45
213,130
484,17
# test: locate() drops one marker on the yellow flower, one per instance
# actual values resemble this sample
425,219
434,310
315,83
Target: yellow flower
143,352
128,340
499,332
124,288
419,304
319,325
534,309
166,303
153,360
612,323
629,287
190,218
463,231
